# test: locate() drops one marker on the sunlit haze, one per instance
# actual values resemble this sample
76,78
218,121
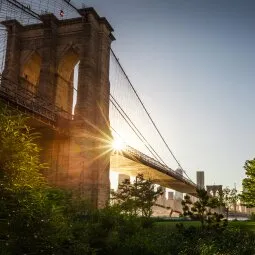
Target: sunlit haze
118,144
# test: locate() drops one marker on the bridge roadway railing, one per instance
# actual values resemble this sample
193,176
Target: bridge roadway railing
151,162
24,98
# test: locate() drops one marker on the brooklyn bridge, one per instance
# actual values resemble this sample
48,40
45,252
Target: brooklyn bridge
58,68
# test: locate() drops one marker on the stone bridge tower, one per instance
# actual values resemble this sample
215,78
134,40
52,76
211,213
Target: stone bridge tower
214,190
41,58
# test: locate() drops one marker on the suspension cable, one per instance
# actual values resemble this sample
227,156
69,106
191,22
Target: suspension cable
25,9
134,129
155,126
148,114
143,139
73,6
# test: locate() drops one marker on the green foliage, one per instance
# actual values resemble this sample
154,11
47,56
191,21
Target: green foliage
137,198
248,194
252,216
32,215
33,220
125,198
230,198
202,209
186,241
19,158
102,231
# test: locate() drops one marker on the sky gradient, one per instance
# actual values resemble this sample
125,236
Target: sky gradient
193,64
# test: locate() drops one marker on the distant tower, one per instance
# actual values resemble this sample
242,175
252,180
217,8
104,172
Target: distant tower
170,195
201,179
178,195
214,190
122,178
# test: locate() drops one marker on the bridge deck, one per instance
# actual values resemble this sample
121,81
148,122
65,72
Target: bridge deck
133,162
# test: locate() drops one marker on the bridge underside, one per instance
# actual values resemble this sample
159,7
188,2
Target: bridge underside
132,167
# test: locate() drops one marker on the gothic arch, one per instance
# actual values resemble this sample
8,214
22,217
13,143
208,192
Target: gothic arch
65,76
30,71
214,190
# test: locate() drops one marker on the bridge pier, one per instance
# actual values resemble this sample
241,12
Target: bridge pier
55,153
89,164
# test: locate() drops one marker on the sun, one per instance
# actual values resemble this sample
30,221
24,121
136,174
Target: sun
118,144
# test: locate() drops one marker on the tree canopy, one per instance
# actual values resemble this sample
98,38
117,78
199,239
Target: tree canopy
248,194
19,154
201,209
137,198
229,198
31,213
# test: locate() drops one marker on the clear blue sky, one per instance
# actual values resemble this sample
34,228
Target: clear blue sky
195,60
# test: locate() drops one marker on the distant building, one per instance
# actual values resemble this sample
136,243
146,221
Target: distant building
178,195
162,198
122,178
201,179
170,195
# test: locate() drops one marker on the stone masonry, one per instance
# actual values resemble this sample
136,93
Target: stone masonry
41,58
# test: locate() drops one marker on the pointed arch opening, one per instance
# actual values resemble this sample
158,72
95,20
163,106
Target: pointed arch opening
30,72
67,79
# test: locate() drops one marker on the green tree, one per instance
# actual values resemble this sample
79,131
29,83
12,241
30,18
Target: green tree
137,198
32,215
248,194
202,209
230,198
19,154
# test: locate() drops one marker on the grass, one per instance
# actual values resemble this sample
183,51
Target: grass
244,225
172,224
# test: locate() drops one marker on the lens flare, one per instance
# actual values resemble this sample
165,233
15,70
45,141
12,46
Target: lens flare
118,145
